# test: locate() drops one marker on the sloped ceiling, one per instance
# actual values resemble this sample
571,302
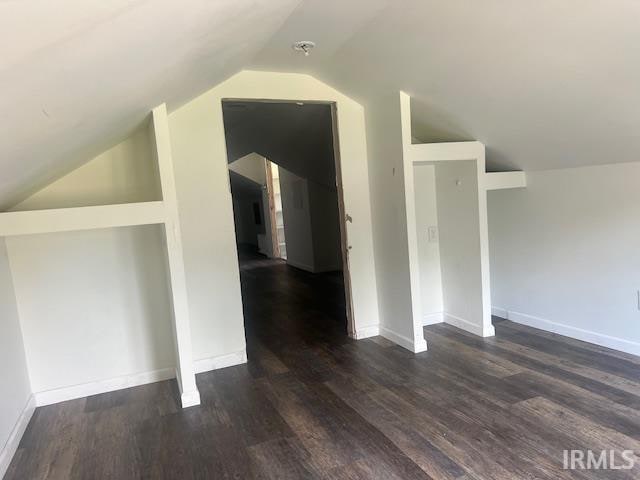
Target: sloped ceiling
544,84
76,76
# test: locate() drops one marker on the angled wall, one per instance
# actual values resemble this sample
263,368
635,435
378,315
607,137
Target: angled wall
15,405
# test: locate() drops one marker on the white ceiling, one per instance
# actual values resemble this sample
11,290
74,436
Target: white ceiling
544,84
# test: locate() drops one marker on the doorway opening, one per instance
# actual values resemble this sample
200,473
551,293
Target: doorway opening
284,170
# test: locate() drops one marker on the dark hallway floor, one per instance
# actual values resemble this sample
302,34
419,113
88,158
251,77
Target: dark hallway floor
313,404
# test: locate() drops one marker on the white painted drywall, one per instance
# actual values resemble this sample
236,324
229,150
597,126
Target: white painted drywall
458,220
265,240
325,227
247,230
125,173
564,253
93,304
428,248
297,220
311,224
14,377
384,142
199,152
251,166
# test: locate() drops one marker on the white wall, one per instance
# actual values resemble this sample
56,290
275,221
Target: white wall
564,253
251,166
428,248
311,224
247,229
14,377
265,240
297,220
199,153
93,305
384,142
458,220
325,226
123,174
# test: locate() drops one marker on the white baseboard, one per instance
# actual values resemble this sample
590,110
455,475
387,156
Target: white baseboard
468,326
9,449
406,342
190,399
589,336
220,361
366,332
63,394
432,318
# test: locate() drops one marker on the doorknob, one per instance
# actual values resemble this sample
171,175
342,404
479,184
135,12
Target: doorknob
348,218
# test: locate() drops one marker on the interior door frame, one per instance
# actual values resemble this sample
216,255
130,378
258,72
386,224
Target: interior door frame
342,214
343,217
275,244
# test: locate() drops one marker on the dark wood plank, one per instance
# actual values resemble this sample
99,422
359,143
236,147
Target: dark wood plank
314,404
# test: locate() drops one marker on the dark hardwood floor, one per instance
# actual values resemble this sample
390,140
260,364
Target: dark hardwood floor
313,404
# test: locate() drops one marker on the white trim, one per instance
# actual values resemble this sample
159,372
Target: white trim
500,312
504,180
444,151
221,361
190,399
468,326
81,218
589,336
432,318
10,448
159,132
415,347
366,332
63,394
82,390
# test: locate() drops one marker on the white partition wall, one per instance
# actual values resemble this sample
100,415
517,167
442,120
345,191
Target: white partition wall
90,280
199,152
450,179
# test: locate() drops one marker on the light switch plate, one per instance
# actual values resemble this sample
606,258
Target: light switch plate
432,234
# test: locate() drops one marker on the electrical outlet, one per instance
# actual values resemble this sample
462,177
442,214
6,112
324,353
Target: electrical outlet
432,235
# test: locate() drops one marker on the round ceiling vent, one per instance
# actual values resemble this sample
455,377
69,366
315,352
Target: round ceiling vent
304,46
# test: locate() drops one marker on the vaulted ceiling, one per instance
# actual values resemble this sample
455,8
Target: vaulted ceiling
544,84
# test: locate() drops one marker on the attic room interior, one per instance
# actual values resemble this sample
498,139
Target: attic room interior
304,239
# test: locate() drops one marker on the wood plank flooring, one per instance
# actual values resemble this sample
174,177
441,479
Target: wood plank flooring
313,404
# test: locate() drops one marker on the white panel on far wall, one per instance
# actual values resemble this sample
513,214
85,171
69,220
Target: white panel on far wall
458,221
424,177
93,304
564,253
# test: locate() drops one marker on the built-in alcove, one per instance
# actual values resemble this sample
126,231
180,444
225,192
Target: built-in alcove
97,270
446,187
125,173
